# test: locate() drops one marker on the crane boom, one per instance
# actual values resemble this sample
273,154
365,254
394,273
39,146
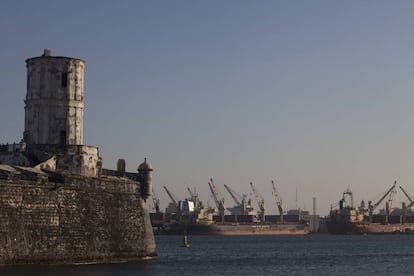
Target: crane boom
218,199
190,192
156,202
385,195
278,199
259,200
236,200
372,207
409,197
174,201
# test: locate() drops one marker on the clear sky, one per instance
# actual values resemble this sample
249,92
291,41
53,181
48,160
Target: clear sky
317,95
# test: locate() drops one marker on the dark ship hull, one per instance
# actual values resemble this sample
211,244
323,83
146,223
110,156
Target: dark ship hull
368,228
232,229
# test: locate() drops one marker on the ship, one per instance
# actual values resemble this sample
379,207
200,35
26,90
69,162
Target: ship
348,219
191,217
233,229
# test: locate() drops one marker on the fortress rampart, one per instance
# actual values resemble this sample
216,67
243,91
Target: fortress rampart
57,203
66,218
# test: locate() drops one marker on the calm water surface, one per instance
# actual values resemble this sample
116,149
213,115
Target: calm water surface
259,255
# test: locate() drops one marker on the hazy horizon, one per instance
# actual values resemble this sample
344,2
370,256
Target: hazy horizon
316,95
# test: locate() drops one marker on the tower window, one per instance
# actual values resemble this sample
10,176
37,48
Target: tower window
64,80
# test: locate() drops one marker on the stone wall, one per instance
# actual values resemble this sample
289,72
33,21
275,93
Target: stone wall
54,101
77,159
14,159
70,219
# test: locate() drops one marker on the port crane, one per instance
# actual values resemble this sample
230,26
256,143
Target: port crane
242,206
404,207
278,199
231,192
408,196
218,199
192,194
260,202
197,202
173,200
156,202
388,203
371,207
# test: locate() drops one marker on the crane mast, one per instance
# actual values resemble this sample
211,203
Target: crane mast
409,197
260,202
404,206
243,206
218,199
191,192
194,198
388,204
156,202
174,201
278,199
372,207
236,200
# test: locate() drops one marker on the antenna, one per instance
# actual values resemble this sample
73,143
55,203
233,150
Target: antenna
314,215
296,199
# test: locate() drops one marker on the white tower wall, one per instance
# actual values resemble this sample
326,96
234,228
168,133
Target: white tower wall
54,100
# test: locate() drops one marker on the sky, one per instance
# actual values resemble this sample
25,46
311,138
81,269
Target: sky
315,95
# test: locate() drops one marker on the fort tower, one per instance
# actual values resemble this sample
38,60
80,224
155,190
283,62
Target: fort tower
54,100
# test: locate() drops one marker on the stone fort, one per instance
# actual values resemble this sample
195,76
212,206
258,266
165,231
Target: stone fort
57,203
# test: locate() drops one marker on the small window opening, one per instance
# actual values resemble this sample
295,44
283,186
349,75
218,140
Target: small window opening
63,137
64,80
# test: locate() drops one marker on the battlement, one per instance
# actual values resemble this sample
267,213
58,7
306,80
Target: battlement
12,147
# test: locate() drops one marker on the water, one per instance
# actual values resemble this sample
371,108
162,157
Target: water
258,255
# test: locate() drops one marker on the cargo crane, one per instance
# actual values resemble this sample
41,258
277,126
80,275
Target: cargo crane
242,207
236,200
388,204
408,196
218,199
260,202
278,199
405,207
198,205
174,202
371,207
156,202
192,194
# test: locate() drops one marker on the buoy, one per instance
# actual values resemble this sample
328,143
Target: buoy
185,241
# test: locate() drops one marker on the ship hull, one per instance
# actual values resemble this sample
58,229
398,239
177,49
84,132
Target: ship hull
369,228
233,229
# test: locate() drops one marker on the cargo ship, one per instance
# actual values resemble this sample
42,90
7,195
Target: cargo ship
232,229
350,220
295,222
191,217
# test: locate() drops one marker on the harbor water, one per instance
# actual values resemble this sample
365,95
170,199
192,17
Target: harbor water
258,255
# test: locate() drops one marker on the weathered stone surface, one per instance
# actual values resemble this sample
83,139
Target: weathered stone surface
57,204
79,159
7,172
54,100
84,219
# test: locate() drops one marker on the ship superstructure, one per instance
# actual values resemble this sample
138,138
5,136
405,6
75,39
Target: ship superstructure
347,219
